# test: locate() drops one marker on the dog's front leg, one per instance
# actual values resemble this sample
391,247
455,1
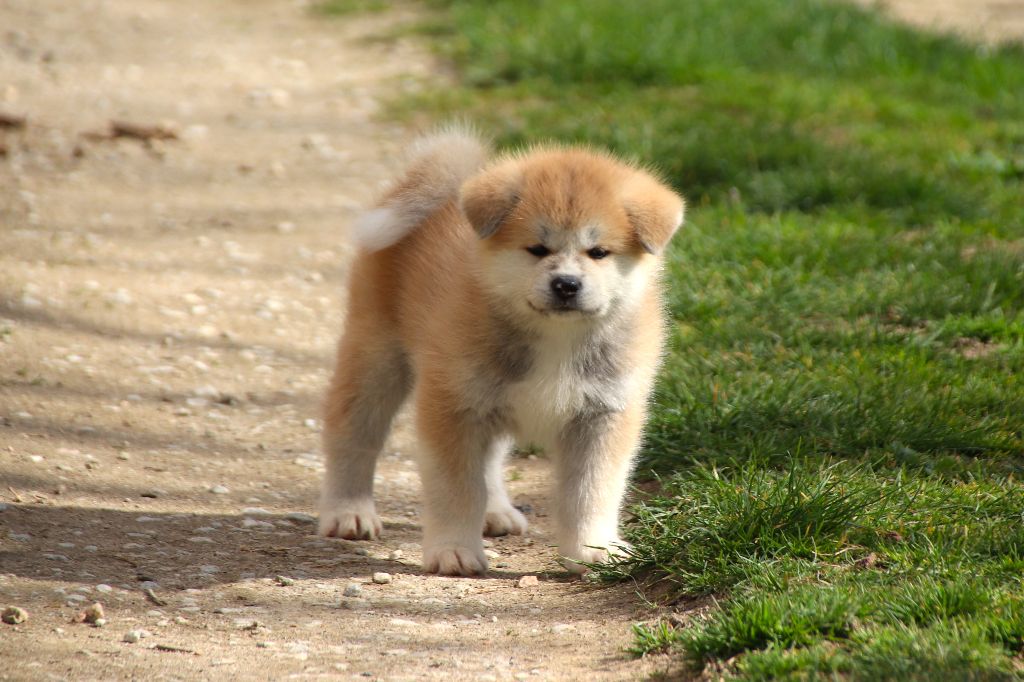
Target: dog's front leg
594,460
453,467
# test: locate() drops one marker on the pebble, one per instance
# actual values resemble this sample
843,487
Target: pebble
561,628
255,511
219,490
528,581
491,554
300,517
13,615
381,578
353,590
93,614
284,581
133,636
396,555
106,589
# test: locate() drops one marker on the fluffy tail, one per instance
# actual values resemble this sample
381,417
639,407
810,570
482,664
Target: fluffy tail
438,165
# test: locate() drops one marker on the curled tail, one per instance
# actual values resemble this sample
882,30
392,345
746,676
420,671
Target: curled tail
438,165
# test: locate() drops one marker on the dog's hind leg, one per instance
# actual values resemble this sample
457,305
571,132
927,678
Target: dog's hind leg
370,383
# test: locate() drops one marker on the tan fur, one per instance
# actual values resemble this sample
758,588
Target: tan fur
457,312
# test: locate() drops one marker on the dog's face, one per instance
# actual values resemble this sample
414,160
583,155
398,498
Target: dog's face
567,233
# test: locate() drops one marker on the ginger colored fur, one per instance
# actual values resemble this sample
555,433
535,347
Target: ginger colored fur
452,300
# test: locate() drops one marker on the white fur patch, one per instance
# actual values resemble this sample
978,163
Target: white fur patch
380,228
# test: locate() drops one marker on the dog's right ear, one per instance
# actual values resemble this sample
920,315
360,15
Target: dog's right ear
489,198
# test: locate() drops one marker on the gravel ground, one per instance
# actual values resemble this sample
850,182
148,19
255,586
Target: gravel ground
168,310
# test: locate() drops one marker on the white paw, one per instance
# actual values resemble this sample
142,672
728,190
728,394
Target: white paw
592,553
505,521
350,519
450,559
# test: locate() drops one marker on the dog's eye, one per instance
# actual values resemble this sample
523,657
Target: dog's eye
538,250
597,253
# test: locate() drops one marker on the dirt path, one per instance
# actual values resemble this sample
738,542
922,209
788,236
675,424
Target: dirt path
991,20
167,321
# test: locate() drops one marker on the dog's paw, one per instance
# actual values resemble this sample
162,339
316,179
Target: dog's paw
575,557
449,559
350,519
505,521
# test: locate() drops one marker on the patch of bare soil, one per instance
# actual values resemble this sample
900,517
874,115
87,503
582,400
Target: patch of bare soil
990,20
175,183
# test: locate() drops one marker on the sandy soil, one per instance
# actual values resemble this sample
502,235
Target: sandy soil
989,20
168,310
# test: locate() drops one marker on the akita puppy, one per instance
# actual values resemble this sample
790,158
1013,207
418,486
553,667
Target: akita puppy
519,301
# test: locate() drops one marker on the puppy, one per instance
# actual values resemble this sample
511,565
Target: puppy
518,301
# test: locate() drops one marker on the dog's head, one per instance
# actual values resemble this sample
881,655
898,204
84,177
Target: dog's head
567,232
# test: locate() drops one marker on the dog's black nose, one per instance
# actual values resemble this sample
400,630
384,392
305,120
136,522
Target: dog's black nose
566,287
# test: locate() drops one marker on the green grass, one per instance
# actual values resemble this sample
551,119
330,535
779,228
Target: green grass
839,427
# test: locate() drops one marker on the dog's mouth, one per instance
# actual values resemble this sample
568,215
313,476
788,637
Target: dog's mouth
562,309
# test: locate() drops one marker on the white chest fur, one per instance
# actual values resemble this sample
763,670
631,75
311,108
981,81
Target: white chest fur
559,386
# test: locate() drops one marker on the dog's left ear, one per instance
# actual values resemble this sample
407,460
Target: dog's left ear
654,211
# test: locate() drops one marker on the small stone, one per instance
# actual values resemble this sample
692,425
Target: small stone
284,581
353,590
132,636
300,517
381,578
106,589
395,555
219,490
355,604
560,628
92,614
255,511
528,581
14,615
491,554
